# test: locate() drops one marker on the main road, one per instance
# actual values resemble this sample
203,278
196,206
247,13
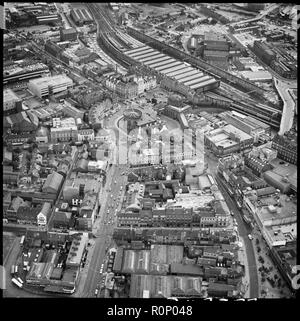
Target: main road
243,230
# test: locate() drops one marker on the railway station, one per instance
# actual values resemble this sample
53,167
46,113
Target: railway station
176,70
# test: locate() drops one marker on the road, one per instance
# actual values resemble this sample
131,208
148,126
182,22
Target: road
289,105
104,230
243,230
265,12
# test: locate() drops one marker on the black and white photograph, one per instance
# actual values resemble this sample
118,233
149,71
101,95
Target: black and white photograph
150,152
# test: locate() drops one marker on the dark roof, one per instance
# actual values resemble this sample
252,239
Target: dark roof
61,216
53,182
178,268
28,213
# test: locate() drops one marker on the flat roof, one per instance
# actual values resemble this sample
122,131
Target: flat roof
180,71
9,95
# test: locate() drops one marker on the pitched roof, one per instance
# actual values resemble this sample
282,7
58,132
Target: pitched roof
53,182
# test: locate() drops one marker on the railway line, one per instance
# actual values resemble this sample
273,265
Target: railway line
111,41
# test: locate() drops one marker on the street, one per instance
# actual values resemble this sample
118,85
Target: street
110,201
243,230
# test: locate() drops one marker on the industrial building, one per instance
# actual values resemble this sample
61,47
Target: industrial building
81,16
172,68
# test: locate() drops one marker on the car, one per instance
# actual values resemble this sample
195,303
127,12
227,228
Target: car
231,213
96,291
250,237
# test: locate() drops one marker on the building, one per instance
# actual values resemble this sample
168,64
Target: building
71,111
46,86
53,183
64,130
62,220
262,50
24,70
247,124
44,214
87,211
11,101
42,135
85,134
54,49
46,19
77,249
68,34
22,122
286,147
227,140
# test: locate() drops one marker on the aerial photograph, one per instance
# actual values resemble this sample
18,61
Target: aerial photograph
150,151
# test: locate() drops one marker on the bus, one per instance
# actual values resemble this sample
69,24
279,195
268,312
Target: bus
69,290
16,269
20,280
17,283
22,240
12,270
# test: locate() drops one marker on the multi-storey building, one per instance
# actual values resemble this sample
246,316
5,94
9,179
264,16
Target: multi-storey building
286,147
46,86
64,130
